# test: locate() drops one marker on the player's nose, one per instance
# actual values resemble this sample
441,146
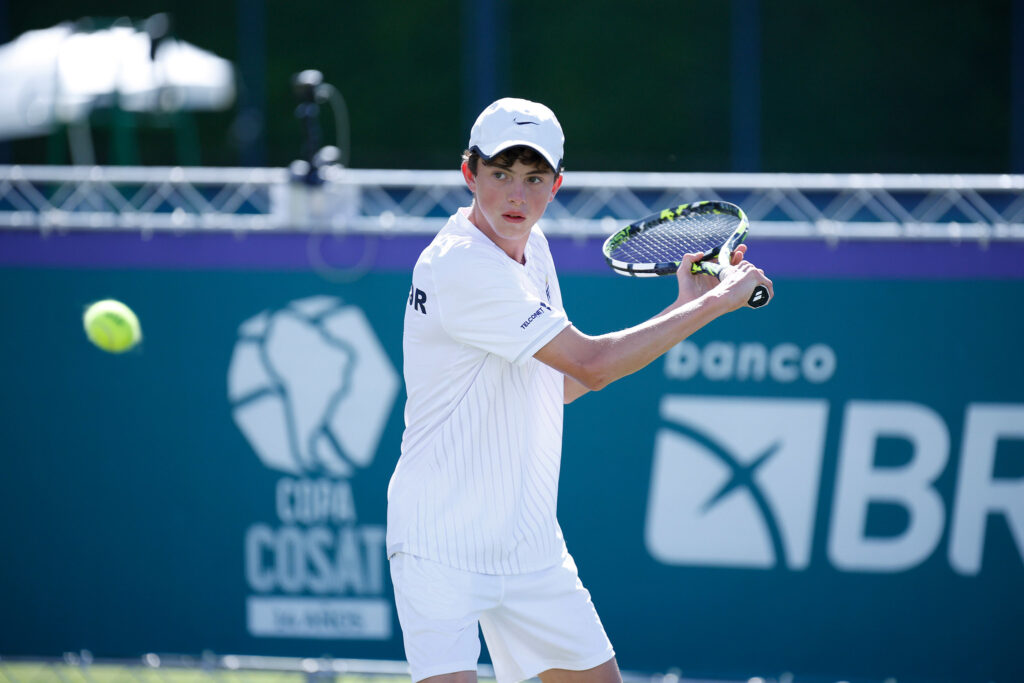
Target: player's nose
517,193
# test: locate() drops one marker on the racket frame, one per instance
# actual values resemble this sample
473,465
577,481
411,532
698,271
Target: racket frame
712,262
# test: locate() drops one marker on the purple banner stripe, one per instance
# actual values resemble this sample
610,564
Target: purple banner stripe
305,251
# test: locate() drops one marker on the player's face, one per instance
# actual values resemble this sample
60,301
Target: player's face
508,201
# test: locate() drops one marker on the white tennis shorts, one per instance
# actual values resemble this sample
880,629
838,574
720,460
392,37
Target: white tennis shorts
531,622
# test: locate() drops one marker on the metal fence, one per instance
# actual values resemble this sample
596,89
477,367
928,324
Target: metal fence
832,207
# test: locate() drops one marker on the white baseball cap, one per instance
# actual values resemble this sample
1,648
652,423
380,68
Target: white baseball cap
510,122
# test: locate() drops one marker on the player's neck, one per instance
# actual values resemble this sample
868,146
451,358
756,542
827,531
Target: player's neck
515,248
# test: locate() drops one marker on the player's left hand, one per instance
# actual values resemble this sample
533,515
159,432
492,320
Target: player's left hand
693,286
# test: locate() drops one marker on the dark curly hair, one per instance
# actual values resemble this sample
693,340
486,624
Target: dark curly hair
508,158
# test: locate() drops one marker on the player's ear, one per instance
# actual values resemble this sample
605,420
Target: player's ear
554,188
468,176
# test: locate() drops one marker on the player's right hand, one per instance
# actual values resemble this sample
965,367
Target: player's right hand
738,283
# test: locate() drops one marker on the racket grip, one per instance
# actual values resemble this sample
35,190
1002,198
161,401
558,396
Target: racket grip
759,297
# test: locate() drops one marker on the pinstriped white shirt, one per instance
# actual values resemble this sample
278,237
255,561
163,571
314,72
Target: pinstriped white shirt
476,485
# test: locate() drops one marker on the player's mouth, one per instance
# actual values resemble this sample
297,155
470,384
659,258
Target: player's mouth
514,217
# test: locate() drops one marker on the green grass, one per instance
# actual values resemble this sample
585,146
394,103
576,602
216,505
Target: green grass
59,672
41,672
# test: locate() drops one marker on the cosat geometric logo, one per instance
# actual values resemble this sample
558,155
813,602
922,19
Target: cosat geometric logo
312,390
311,387
735,481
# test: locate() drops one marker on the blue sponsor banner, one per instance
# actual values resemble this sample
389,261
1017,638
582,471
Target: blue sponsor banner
831,486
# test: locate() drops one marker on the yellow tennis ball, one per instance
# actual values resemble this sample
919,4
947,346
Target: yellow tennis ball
112,326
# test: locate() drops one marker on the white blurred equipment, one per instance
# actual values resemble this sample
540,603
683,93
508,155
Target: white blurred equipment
59,75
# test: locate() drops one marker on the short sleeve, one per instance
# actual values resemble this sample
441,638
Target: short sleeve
492,305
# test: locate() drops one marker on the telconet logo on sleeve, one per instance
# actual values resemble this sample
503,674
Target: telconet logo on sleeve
536,314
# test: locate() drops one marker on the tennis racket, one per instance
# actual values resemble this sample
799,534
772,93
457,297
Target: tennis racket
655,245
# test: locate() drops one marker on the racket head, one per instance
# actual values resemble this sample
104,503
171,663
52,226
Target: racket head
655,244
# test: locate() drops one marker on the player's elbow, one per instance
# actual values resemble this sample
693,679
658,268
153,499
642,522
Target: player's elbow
597,369
594,376
590,361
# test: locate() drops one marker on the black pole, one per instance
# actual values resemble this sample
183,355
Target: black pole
746,85
252,94
306,87
481,57
5,147
1017,87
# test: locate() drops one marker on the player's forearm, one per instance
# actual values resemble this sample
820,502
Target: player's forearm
617,354
679,302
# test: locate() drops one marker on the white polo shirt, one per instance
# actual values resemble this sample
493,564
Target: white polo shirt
476,485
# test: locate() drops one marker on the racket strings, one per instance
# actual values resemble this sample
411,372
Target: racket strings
669,241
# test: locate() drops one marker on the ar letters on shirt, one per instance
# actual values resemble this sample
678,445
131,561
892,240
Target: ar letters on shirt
418,299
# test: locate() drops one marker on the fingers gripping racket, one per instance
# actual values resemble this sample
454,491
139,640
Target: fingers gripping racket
656,244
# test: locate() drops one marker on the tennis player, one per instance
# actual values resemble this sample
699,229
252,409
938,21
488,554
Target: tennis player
490,359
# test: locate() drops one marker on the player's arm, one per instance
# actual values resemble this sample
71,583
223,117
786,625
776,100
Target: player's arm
573,389
595,362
